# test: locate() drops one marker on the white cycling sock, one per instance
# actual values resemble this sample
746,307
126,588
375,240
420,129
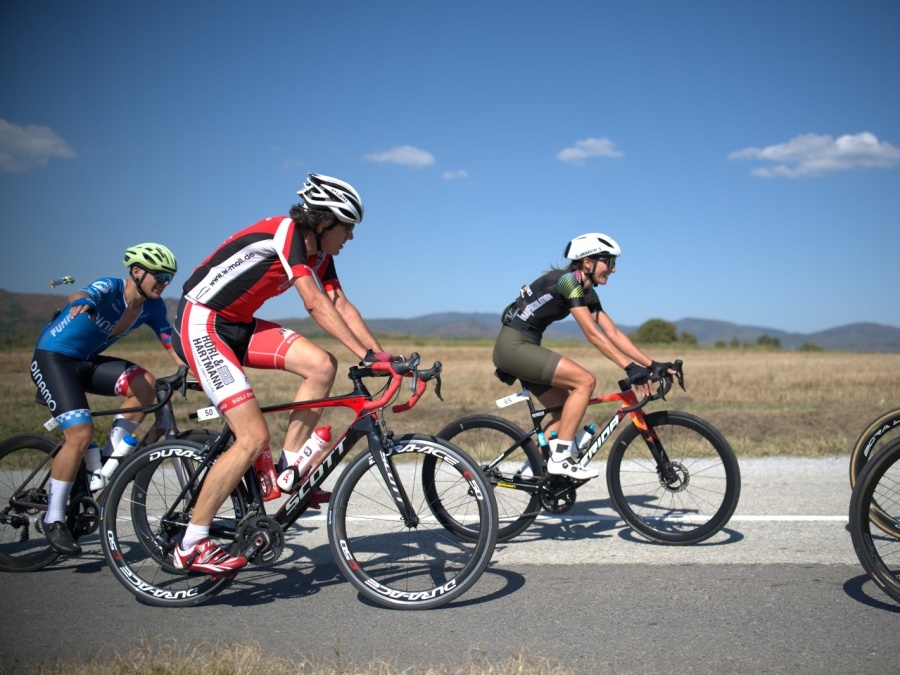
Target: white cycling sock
561,450
194,534
59,495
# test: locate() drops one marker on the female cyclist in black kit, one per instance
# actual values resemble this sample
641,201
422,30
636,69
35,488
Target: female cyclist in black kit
553,378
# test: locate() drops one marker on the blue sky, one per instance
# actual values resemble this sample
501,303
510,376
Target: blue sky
745,155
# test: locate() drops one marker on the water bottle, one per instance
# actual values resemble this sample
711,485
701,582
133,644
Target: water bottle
122,450
583,437
316,443
265,471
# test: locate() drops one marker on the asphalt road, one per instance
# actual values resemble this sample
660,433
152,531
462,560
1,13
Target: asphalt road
779,590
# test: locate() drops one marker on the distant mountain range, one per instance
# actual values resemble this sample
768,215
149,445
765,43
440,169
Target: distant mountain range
22,315
852,337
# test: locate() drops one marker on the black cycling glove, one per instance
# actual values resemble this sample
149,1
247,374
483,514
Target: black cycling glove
659,370
637,374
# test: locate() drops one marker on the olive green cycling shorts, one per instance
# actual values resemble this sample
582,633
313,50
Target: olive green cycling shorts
524,358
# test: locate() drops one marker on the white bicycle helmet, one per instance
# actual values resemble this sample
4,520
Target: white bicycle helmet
592,245
325,192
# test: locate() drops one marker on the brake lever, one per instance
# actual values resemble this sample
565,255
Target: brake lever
437,386
679,367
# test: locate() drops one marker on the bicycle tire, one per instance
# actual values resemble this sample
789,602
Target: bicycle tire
485,438
138,545
23,546
878,552
706,487
421,565
878,432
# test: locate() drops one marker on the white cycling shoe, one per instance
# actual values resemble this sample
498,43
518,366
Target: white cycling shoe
563,464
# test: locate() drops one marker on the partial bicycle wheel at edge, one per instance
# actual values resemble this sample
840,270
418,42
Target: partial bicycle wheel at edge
415,565
23,546
877,434
138,539
509,457
878,551
696,495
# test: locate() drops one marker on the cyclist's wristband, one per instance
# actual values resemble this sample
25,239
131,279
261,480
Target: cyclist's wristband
84,302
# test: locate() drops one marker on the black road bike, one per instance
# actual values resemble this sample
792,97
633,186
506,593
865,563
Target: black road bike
25,461
671,476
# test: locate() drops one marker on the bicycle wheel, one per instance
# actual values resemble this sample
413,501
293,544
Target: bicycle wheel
138,539
508,456
879,552
881,430
23,546
416,565
687,501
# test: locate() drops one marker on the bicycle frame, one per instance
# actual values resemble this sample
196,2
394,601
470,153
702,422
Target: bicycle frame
630,406
165,390
365,424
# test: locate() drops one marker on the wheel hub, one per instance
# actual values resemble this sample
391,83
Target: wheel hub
675,478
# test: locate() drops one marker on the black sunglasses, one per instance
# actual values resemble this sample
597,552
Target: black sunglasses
161,277
609,260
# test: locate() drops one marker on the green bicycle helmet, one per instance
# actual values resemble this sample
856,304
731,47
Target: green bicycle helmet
151,257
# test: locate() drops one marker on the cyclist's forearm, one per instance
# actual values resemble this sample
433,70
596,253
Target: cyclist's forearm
324,313
357,324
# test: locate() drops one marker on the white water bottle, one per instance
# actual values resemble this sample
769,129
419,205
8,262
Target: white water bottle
584,436
122,450
318,441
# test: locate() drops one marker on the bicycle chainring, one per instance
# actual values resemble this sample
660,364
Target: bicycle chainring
261,539
557,493
675,478
87,520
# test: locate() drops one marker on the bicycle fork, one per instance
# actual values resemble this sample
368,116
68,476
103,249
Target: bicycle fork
388,472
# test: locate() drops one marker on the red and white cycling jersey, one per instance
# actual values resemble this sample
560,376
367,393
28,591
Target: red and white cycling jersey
254,265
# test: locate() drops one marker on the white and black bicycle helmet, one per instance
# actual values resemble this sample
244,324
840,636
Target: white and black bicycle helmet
594,245
325,192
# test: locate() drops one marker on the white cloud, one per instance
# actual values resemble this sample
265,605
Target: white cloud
405,155
23,148
454,175
815,155
589,147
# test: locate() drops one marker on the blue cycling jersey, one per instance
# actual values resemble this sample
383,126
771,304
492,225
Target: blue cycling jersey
87,335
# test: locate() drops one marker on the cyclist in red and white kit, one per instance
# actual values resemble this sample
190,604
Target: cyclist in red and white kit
218,336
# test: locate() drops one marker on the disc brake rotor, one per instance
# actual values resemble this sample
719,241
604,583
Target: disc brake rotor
675,478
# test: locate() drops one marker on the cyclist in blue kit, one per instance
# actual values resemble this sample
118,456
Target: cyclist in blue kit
553,378
68,363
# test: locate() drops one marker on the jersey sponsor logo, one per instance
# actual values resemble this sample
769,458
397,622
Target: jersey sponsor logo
532,307
43,392
215,372
225,271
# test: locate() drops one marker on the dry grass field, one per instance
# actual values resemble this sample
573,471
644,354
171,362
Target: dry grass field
767,403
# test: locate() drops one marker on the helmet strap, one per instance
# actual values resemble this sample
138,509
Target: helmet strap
140,282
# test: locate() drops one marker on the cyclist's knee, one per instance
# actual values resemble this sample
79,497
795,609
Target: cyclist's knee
137,382
585,382
79,436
